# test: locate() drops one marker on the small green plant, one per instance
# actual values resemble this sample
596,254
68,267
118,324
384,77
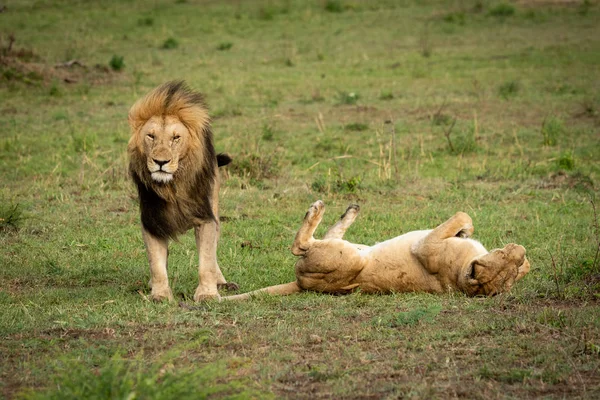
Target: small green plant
267,133
502,10
455,18
509,89
333,6
584,7
170,43
145,21
254,167
386,95
117,63
441,119
224,46
267,13
410,318
552,128
566,161
54,89
465,141
356,126
11,216
348,98
320,185
120,378
351,185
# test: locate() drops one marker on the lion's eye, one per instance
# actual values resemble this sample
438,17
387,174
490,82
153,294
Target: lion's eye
176,138
150,136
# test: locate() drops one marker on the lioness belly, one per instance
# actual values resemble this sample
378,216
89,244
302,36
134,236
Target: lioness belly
393,268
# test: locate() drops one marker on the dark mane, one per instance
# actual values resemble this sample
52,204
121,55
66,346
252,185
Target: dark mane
169,209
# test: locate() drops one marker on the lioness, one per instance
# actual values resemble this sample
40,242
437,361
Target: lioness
436,261
174,166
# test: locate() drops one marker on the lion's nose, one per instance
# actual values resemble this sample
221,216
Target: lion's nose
161,162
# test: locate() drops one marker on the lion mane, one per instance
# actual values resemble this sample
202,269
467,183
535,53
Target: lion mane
171,208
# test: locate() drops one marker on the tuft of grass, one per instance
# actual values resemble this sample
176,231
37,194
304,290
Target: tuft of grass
350,185
255,167
386,95
120,378
145,21
502,10
224,46
333,6
409,318
11,216
457,17
552,129
348,98
509,89
55,90
268,132
117,63
170,43
356,126
566,161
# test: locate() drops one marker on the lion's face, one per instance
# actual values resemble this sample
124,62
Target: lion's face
165,141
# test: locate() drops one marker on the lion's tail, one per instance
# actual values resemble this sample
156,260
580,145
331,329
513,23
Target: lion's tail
277,290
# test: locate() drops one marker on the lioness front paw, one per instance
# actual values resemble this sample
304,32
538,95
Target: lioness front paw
467,229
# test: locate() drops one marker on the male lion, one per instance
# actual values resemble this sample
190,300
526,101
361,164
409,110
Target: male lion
174,166
436,261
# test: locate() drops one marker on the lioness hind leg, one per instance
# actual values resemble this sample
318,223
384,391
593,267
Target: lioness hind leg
312,219
338,230
497,271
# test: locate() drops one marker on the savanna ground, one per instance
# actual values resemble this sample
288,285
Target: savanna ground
492,108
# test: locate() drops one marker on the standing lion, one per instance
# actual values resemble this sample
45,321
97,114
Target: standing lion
174,166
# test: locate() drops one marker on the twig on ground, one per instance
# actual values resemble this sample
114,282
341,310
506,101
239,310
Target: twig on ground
447,134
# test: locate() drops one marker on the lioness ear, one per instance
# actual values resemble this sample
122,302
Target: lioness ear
471,273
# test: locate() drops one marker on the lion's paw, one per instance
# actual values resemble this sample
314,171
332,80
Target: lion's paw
203,294
159,295
229,286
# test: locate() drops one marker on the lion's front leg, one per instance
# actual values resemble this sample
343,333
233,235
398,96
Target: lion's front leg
208,270
157,250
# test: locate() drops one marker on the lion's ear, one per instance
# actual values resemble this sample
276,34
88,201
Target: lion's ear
223,159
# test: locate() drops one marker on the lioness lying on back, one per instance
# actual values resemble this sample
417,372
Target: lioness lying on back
436,261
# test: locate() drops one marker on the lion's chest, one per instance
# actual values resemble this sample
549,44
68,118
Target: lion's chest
168,218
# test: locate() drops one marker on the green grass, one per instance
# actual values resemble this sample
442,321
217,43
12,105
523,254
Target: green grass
493,109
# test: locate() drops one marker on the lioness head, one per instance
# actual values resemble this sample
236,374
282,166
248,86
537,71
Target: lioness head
168,124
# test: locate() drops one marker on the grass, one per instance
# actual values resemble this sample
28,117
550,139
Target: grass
499,119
